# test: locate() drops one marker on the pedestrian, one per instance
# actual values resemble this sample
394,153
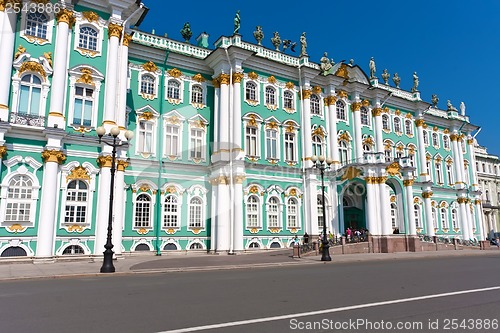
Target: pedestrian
306,238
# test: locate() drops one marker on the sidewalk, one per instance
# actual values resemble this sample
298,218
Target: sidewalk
148,263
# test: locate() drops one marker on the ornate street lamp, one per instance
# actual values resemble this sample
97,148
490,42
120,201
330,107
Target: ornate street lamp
107,264
321,163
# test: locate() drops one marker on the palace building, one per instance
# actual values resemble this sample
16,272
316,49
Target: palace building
223,138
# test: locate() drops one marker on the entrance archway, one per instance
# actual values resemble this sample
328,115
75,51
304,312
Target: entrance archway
353,206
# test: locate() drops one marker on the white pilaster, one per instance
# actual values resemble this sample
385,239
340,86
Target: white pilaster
60,75
408,186
238,215
6,58
102,209
358,141
385,206
424,173
119,208
236,114
456,158
372,218
379,136
224,125
479,216
429,223
306,118
223,216
311,209
122,84
464,223
332,129
48,203
112,74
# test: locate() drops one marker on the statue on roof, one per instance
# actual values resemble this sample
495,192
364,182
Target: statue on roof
351,62
415,82
451,107
237,23
287,43
373,69
276,40
258,34
303,45
396,79
186,32
462,108
434,100
385,76
325,64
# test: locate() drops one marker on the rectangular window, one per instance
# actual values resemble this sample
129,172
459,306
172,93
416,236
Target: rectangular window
196,143
172,140
290,147
145,137
251,141
272,144
82,113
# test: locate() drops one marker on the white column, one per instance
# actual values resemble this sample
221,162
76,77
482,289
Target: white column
464,223
60,75
48,203
311,209
358,141
332,128
216,124
119,207
379,137
6,58
223,215
461,157
224,117
472,164
456,159
372,218
424,175
428,213
213,215
121,108
114,34
238,214
385,205
236,114
306,114
408,186
102,204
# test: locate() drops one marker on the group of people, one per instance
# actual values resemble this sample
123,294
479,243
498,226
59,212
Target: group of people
356,235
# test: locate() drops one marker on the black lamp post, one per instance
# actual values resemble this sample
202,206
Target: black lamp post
107,264
322,164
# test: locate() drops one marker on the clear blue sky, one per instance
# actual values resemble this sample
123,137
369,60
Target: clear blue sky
454,46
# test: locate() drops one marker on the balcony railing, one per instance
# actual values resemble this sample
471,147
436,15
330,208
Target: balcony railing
27,119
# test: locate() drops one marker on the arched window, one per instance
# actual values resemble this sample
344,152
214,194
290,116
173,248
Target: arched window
20,205
195,213
343,152
73,250
394,215
196,246
418,220
84,105
171,212
197,94
76,202
434,218
147,84
365,119
273,213
14,251
367,148
253,212
426,138
36,25
446,142
317,145
444,218
408,127
385,122
88,38
251,91
142,211
270,95
315,105
173,89
321,216
288,100
397,125
340,108
454,221
439,172
292,213
435,140
30,95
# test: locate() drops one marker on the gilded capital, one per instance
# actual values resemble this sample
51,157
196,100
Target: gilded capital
239,179
453,137
306,93
104,161
224,79
330,100
381,180
371,180
121,165
470,141
377,112
356,106
216,83
419,122
237,77
127,39
427,195
66,16
3,151
462,200
53,155
408,182
114,30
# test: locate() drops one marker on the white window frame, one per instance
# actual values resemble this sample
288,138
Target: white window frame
258,212
196,192
270,140
143,133
408,127
444,218
251,89
319,209
290,213
196,218
153,85
426,138
275,96
341,110
197,143
197,104
32,201
172,100
344,152
396,122
449,174
446,142
270,212
387,121
418,216
365,114
394,216
257,92
435,140
85,204
293,143
316,106
439,172
100,37
35,39
316,145
284,98
168,149
174,214
454,218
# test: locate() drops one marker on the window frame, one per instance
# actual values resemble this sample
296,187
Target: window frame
146,224
257,212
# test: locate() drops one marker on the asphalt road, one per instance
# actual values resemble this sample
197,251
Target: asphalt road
174,301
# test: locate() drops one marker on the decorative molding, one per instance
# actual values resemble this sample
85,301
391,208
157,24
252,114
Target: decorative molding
114,30
317,90
199,78
462,200
289,85
3,151
419,122
356,106
393,169
306,93
253,75
408,182
121,165
90,16
427,195
224,79
79,173
175,73
66,16
104,161
271,79
342,94
86,77
376,112
32,66
237,77
150,66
